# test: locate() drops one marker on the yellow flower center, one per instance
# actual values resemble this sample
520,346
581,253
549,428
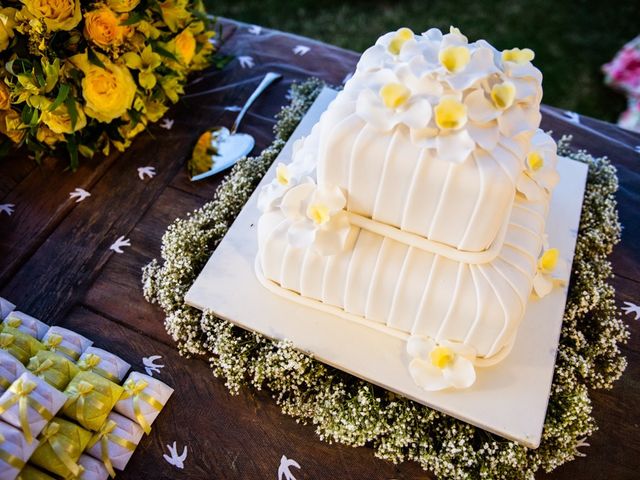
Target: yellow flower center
282,175
454,59
549,260
441,357
503,95
394,95
450,113
535,161
318,213
399,40
517,55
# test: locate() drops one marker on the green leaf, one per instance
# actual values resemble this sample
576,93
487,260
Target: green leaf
18,66
29,115
39,74
93,58
164,52
135,17
71,107
63,93
72,148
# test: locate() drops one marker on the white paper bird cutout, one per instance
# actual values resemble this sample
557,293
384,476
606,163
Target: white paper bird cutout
79,194
255,30
175,459
119,243
301,50
148,171
150,366
581,443
284,472
347,77
7,208
632,308
246,62
233,108
572,116
167,123
637,148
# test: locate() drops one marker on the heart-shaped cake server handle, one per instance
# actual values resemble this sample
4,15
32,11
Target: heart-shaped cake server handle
268,79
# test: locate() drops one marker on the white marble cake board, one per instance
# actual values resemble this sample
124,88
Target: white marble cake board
509,399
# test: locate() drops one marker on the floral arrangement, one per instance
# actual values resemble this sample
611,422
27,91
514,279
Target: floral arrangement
351,411
623,73
83,77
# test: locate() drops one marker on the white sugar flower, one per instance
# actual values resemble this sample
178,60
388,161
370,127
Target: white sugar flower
391,48
551,271
287,177
436,366
317,217
388,101
540,175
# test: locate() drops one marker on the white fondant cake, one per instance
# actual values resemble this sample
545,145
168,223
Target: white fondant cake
417,204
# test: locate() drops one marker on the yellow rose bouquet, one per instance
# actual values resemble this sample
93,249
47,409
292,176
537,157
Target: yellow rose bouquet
81,77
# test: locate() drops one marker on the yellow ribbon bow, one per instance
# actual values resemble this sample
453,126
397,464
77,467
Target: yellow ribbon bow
21,390
90,363
10,459
104,436
135,391
62,451
54,344
77,394
38,367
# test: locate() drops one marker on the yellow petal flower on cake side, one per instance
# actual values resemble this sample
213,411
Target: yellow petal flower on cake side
503,95
399,40
450,113
517,55
394,95
454,58
56,14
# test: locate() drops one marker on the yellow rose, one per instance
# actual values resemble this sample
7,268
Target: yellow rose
185,46
7,22
122,6
47,136
59,121
57,14
103,28
108,92
5,96
12,126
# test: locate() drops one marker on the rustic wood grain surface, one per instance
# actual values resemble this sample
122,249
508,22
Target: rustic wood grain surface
56,264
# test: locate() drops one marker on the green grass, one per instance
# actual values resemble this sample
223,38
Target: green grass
572,39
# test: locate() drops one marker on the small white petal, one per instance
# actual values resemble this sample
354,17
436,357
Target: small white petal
461,373
427,376
331,196
301,233
370,108
517,119
417,114
480,66
269,196
479,108
486,135
542,284
294,202
419,346
529,188
455,147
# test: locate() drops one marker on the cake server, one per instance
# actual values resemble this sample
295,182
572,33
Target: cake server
227,146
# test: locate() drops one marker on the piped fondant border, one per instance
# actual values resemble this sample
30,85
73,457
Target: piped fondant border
339,312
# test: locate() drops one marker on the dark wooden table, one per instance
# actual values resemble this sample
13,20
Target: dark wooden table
56,264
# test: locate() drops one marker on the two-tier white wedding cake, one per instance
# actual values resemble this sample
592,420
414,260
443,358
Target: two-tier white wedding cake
417,205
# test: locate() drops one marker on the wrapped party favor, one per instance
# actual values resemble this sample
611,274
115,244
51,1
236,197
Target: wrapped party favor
90,399
14,451
30,472
61,444
19,344
65,342
143,399
90,469
10,370
104,363
26,324
115,442
6,307
53,368
29,404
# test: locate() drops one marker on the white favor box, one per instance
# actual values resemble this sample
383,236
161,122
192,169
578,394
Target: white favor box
153,388
10,370
114,366
124,429
44,394
14,443
6,307
71,344
27,324
92,469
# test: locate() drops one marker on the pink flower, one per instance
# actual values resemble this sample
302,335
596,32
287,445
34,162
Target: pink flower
624,70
